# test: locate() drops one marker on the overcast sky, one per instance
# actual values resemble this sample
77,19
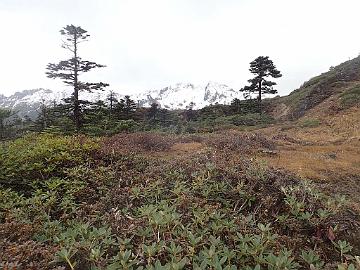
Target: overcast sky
149,44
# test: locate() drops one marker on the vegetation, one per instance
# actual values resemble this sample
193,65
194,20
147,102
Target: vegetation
4,115
339,81
11,125
310,123
109,185
116,203
70,70
350,97
113,116
262,67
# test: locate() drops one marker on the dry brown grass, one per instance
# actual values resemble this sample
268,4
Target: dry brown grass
317,152
318,162
328,153
189,147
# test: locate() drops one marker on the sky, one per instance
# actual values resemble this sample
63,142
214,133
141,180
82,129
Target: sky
150,44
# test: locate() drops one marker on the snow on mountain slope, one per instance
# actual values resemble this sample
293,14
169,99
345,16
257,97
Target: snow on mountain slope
178,96
181,95
28,102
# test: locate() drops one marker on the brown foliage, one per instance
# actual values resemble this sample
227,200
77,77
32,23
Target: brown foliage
137,143
18,251
239,142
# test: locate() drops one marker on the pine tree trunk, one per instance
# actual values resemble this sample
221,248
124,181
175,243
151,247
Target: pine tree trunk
2,129
76,88
45,119
259,98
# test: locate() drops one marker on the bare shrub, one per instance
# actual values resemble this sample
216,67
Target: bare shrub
243,142
137,142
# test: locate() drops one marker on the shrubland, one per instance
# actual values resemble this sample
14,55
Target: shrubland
130,202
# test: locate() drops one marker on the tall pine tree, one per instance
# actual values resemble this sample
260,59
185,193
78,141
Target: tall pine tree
262,67
70,70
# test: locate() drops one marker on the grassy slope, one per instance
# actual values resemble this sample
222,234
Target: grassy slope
340,85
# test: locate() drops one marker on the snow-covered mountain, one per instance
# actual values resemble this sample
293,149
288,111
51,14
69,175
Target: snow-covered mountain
178,96
28,102
181,95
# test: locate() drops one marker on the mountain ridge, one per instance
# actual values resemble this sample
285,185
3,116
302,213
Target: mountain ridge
177,96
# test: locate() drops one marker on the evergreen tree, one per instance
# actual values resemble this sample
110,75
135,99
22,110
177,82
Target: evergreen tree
125,108
164,117
129,108
45,117
119,109
58,119
153,111
4,116
96,118
235,106
262,67
111,98
96,113
27,124
70,70
189,113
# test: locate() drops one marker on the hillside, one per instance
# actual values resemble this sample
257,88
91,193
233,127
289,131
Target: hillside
328,93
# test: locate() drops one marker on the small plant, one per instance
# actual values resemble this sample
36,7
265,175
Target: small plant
312,260
343,247
281,261
310,123
66,255
123,260
118,207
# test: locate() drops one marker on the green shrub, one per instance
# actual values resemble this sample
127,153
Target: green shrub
350,97
125,125
310,123
36,158
251,119
125,208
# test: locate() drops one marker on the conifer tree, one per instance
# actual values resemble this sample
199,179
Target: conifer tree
96,112
235,106
4,115
112,101
125,108
153,111
189,113
70,70
119,109
164,117
130,108
262,67
45,117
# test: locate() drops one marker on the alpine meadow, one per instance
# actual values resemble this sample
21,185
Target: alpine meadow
191,175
